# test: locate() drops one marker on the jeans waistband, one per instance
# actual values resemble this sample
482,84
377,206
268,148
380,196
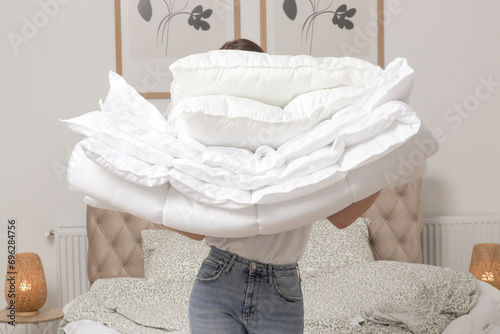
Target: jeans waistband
235,261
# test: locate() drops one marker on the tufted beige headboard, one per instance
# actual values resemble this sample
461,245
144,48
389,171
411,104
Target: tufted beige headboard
115,248
396,224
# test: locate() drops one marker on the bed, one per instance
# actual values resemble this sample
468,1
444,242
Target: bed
141,274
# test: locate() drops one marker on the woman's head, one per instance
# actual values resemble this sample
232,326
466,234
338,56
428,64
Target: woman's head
242,44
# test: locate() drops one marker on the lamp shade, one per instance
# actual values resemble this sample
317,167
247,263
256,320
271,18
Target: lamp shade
25,285
485,263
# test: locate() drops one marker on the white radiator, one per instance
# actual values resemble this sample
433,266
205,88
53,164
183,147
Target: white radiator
447,241
71,262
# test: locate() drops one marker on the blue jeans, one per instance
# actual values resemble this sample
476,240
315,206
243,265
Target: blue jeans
234,295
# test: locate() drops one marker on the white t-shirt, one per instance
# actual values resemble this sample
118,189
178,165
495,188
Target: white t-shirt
281,248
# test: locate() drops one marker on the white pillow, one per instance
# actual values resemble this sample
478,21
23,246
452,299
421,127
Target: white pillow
124,99
226,120
272,79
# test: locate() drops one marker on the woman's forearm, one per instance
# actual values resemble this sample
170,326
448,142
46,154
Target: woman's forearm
193,236
347,216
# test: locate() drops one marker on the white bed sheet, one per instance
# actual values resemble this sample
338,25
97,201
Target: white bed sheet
484,318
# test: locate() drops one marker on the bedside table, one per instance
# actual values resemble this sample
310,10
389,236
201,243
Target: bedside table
49,316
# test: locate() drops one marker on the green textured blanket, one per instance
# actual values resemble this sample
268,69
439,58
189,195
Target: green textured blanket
386,297
134,305
373,297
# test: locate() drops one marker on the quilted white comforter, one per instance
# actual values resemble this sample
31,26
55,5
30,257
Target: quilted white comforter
255,144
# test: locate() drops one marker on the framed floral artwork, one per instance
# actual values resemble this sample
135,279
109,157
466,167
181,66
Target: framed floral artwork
152,34
324,28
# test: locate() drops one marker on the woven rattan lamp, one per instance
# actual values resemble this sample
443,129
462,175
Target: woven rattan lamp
25,284
485,263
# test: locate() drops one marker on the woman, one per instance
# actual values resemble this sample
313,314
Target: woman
252,285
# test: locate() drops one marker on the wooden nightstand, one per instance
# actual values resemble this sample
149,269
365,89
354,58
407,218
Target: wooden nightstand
48,316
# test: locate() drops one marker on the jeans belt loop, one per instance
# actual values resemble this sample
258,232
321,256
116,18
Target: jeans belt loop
230,264
270,269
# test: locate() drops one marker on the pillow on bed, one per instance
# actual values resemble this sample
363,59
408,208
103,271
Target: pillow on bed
330,248
171,257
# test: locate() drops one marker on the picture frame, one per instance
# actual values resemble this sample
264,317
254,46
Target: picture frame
150,36
356,28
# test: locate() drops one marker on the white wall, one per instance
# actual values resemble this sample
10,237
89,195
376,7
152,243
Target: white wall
59,70
453,46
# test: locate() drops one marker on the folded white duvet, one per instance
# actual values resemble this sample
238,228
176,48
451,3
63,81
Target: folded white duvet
252,143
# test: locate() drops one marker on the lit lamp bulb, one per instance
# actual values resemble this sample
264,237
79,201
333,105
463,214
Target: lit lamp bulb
485,263
488,277
24,286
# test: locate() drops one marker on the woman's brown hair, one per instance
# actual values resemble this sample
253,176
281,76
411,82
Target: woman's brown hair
242,44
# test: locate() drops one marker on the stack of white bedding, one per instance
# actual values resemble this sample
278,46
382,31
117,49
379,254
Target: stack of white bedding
253,143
